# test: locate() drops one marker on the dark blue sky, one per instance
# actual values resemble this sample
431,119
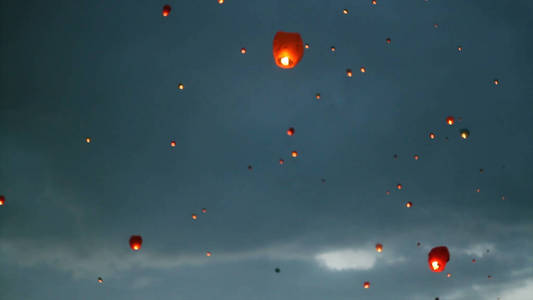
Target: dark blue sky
109,70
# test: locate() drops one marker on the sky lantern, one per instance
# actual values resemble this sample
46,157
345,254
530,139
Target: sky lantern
449,275
172,144
388,41
387,193
2,200
349,72
460,49
287,49
416,157
88,140
100,280
294,154
243,50
333,49
166,10
496,82
290,131
181,86
409,204
399,186
379,248
465,133
317,96
363,70
194,216
450,120
136,242
306,46
220,1
345,11
478,190
435,25
374,2
281,161
366,285
432,136
208,254
438,257
473,260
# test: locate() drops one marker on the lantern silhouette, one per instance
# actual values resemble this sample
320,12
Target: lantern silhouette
166,10
181,86
208,254
388,40
243,50
317,96
287,49
281,161
204,210
416,156
100,280
194,216
363,70
136,242
88,140
438,257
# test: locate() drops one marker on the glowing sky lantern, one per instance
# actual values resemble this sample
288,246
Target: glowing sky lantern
379,248
194,216
181,86
460,49
416,157
409,204
287,49
100,280
363,70
88,140
450,120
435,25
374,2
136,242
281,161
345,11
290,131
2,200
208,254
465,133
243,50
220,1
294,154
432,136
204,210
366,284
349,72
388,41
172,144
307,46
496,82
399,186
332,48
166,10
438,257
449,275
317,96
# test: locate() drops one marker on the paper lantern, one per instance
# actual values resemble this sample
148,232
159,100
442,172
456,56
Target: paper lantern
287,49
366,285
290,131
2,200
450,120
294,154
465,133
379,248
166,10
438,257
136,242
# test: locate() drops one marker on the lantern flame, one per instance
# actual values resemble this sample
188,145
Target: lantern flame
435,265
285,61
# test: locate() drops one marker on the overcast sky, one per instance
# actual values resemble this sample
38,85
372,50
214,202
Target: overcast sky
109,70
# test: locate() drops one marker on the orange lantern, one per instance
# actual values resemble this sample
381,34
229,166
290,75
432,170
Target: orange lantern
460,49
317,96
294,154
88,140
374,2
194,216
349,72
388,40
204,210
172,144
287,49
450,120
345,11
409,204
332,49
181,86
2,200
290,131
281,161
379,248
136,242
438,257
387,193
416,156
366,285
243,50
306,46
432,136
166,10
100,280
363,70
449,275
496,82
399,186
220,1
208,254
465,133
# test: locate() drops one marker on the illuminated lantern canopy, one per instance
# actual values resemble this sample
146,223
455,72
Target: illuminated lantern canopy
366,285
349,72
496,82
465,133
416,157
332,49
220,1
306,46
450,120
204,210
409,204
181,86
243,50
460,48
166,10
317,96
374,2
287,49
88,140
388,41
379,248
294,154
438,257
208,254
281,161
100,280
2,200
399,186
290,131
363,70
194,216
136,242
432,136
345,11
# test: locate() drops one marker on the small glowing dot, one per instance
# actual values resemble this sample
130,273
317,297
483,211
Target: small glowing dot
243,50
333,49
432,135
496,82
294,154
345,11
173,144
416,157
317,96
307,46
194,216
220,1
88,140
349,73
285,61
181,86
408,204
363,70
208,254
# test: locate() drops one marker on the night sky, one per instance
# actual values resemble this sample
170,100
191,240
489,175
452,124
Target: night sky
109,71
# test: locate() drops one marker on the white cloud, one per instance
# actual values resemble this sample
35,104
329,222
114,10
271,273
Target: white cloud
347,259
479,250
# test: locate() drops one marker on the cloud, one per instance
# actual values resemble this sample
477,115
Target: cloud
341,260
479,250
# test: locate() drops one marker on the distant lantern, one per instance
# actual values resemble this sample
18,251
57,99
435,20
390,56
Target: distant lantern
503,197
432,136
332,49
408,204
317,96
287,49
306,46
473,260
208,254
2,200
220,1
290,131
345,11
294,154
172,144
204,210
387,193
166,10
88,140
349,72
478,190
277,270
460,48
243,50
379,248
366,285
181,86
281,161
194,216
450,120
416,157
388,41
496,82
374,2
449,275
136,242
465,133
100,280
399,186
435,25
438,257
363,70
